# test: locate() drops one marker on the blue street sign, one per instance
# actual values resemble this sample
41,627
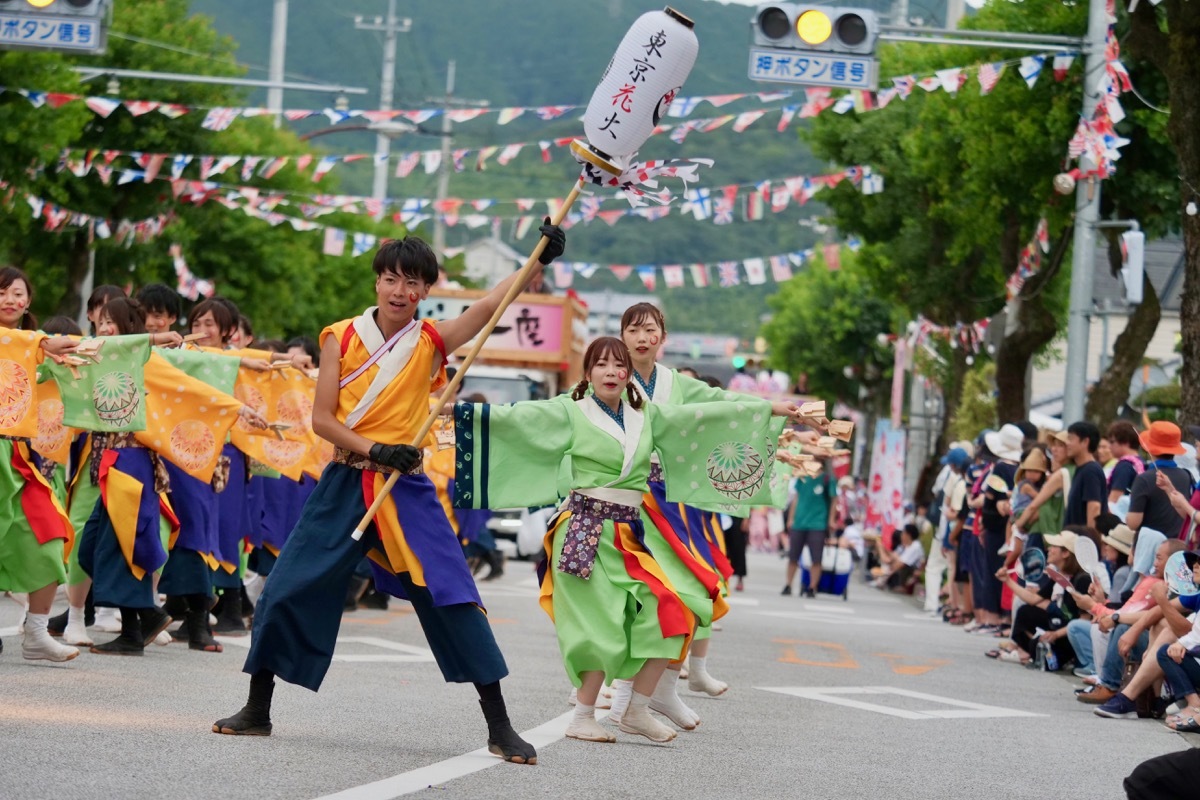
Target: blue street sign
44,31
813,69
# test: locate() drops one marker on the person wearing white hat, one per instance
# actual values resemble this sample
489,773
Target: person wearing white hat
1005,445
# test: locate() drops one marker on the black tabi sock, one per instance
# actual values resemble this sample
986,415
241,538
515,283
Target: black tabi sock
131,628
262,689
502,739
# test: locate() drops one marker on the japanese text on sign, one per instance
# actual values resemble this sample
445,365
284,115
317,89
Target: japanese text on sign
813,69
68,33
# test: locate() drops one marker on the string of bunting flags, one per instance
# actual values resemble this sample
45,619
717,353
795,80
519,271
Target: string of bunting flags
55,218
1096,140
218,118
749,271
719,204
1093,137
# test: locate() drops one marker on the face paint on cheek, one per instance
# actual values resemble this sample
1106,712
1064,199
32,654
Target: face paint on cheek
654,340
413,297
622,374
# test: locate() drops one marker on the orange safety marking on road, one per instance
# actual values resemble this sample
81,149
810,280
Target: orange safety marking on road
912,669
501,621
845,660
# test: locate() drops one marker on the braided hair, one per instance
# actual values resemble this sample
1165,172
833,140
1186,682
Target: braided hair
614,348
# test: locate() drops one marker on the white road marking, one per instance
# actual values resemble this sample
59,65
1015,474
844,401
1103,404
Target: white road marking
492,590
741,601
444,771
402,653
961,709
821,608
922,617
9,631
831,619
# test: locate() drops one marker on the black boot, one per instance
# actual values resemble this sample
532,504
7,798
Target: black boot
247,607
153,621
495,560
199,635
58,624
129,643
374,599
177,607
503,741
354,592
229,617
255,717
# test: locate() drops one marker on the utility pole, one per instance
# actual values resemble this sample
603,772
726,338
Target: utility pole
447,102
383,144
1087,214
443,183
278,55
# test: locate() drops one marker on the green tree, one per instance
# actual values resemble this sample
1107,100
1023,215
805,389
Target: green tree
977,410
826,324
1166,36
967,178
277,275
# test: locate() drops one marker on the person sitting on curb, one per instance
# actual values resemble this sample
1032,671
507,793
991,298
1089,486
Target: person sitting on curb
1175,624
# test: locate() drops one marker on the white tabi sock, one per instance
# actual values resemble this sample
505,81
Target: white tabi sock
76,631
637,720
36,625
584,712
584,726
666,701
622,691
700,681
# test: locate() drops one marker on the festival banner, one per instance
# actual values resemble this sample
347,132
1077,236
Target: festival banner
885,489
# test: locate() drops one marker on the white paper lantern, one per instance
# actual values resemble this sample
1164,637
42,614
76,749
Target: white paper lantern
643,77
1064,183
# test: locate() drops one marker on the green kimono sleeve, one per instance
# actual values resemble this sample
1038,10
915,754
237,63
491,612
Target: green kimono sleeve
108,393
218,371
509,456
689,391
716,454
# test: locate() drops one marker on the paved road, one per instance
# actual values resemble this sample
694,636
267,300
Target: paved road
830,699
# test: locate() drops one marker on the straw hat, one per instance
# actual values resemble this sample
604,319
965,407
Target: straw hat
1120,537
1036,460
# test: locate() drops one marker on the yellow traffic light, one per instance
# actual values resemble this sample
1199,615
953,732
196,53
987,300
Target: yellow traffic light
39,3
814,27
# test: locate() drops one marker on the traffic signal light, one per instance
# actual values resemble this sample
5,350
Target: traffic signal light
65,8
822,29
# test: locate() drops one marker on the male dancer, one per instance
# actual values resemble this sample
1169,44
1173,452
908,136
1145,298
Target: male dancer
372,396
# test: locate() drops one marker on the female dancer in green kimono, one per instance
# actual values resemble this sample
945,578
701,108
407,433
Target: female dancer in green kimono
616,613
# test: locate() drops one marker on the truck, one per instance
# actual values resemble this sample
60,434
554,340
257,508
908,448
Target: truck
535,353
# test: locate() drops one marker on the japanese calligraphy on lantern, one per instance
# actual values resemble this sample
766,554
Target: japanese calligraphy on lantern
813,69
641,81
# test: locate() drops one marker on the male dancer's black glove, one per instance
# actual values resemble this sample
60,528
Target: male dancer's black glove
400,457
557,242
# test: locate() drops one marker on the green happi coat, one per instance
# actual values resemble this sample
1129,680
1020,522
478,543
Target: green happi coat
532,453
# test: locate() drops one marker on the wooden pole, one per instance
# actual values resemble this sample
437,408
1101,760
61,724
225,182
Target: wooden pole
522,278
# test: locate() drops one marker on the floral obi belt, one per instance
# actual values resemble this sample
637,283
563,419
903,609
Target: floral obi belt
586,526
357,461
656,475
